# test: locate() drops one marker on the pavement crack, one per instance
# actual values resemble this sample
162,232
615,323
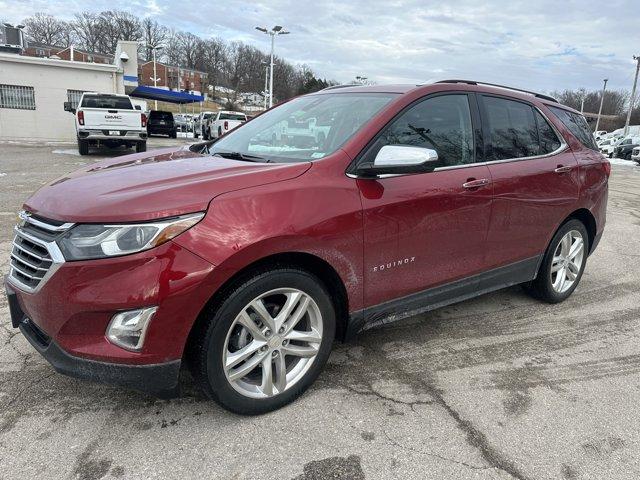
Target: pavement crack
475,437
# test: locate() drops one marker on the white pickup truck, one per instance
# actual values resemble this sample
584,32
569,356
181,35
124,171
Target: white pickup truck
223,122
108,119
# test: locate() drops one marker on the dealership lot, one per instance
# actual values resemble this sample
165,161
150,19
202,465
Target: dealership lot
498,387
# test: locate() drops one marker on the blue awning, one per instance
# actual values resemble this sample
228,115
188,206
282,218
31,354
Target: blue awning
152,93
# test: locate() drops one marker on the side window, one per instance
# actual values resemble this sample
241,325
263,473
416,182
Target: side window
441,123
512,128
549,141
577,125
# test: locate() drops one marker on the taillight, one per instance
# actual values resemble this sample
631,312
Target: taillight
143,119
226,125
80,117
607,167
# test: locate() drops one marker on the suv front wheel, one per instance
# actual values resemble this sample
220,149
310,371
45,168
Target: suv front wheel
266,343
563,263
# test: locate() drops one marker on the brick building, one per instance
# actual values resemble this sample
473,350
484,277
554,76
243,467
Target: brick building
42,50
172,77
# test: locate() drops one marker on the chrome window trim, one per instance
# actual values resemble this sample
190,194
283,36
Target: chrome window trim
563,146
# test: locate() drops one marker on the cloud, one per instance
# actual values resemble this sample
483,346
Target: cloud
542,45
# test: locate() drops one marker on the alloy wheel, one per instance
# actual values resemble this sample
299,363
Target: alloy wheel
272,343
567,261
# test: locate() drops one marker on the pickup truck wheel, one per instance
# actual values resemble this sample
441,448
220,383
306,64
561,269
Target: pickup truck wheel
141,147
219,132
266,342
562,265
83,147
174,135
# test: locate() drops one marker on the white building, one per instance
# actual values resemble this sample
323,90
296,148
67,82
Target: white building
33,91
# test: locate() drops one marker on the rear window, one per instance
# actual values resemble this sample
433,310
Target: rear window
156,115
577,125
108,102
233,116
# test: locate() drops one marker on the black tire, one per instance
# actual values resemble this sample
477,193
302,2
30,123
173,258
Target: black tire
219,132
141,147
542,287
195,134
83,147
174,134
208,339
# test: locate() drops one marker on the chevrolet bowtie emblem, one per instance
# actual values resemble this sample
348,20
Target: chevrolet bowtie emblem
22,218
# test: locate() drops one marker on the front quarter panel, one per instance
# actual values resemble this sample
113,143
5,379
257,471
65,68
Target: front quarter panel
318,213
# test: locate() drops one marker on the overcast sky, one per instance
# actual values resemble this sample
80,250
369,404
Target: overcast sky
542,45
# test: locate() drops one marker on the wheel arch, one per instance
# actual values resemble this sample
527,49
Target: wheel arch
313,264
588,220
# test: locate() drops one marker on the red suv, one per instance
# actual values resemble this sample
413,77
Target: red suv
244,258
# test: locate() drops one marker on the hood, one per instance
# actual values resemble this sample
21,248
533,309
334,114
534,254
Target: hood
151,185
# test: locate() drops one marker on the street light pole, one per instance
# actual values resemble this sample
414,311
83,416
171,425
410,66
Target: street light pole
266,80
155,75
601,102
277,30
633,96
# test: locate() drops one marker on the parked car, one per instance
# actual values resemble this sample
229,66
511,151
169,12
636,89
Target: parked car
599,134
244,261
223,122
161,123
635,154
108,119
624,148
183,122
608,146
200,123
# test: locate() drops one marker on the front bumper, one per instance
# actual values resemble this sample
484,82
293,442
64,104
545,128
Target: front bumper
160,380
75,305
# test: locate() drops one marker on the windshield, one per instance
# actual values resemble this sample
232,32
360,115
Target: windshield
306,128
104,101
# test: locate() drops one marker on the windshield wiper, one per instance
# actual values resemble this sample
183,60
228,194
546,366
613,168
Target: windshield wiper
241,156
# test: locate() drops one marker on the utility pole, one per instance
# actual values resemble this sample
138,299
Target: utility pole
633,96
277,30
266,79
601,102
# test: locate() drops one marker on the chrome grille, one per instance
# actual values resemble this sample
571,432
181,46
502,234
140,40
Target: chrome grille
35,255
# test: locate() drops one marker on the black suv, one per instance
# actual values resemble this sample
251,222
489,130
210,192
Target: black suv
161,123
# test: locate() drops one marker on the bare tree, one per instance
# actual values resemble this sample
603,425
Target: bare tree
44,28
216,52
118,25
153,35
89,31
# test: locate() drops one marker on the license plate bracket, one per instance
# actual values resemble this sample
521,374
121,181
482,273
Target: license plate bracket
114,132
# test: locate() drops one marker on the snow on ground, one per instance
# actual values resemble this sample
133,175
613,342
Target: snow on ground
620,161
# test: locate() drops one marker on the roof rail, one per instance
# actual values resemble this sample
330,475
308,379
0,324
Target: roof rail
472,82
333,87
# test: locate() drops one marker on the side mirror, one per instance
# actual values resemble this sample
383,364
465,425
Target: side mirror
401,159
137,107
68,107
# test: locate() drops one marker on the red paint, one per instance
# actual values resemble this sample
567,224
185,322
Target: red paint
385,238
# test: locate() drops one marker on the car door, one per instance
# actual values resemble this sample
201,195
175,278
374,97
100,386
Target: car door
427,229
535,181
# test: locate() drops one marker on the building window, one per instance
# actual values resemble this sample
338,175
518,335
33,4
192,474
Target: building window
17,97
73,96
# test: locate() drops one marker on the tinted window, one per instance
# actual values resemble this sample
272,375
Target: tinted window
512,127
440,123
232,116
549,141
577,125
104,101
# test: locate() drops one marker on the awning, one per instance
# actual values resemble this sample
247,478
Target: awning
152,93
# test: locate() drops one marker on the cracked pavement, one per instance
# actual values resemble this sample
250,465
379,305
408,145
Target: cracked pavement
499,387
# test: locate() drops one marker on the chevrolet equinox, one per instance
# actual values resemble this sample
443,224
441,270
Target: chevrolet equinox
244,258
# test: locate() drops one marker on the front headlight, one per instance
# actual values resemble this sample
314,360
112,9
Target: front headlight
89,241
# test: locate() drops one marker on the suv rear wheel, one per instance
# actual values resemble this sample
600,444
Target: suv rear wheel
563,264
266,343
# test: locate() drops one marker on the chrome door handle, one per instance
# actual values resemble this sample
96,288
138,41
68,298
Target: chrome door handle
562,169
476,183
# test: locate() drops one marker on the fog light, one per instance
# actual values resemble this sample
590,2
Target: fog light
128,329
